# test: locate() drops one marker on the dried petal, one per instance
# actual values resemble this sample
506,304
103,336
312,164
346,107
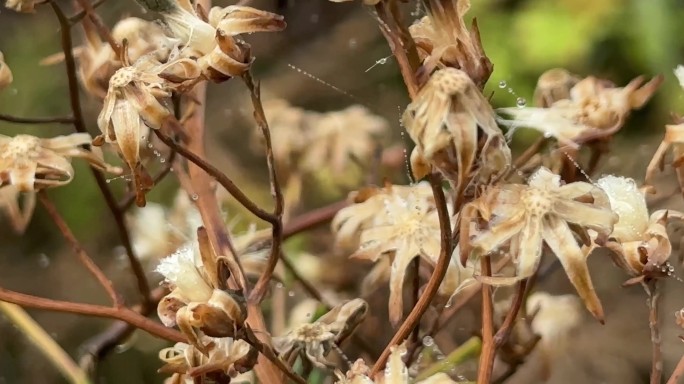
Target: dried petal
5,73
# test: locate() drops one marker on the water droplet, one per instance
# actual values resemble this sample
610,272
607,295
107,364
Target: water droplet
510,90
382,61
352,43
502,84
291,293
43,261
149,145
521,102
279,285
194,197
428,341
162,160
108,181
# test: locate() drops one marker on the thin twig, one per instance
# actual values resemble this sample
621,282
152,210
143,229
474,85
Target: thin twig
79,251
678,372
484,372
653,292
124,314
312,219
221,177
73,20
79,125
37,120
101,28
505,330
44,343
260,288
432,286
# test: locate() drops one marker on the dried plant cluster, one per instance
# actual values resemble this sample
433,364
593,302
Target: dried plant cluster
475,218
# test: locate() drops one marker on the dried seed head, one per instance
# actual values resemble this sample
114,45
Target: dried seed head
32,163
182,270
595,109
5,73
553,85
446,121
444,40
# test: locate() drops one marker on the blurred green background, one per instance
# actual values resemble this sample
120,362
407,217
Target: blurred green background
338,44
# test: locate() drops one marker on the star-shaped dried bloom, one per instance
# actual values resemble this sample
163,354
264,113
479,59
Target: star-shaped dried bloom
395,372
31,163
447,120
315,340
26,6
544,211
18,214
5,73
640,242
223,359
595,109
198,298
443,39
340,136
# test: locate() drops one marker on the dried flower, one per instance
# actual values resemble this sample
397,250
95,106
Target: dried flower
443,39
5,73
315,340
197,299
595,109
336,137
553,85
31,163
526,216
26,6
395,372
446,121
19,215
223,359
640,243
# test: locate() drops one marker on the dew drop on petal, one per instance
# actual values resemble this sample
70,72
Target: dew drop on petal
521,102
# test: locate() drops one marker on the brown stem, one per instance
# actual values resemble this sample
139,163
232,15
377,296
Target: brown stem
432,286
677,373
123,313
260,288
221,177
502,334
79,125
83,257
484,372
36,120
653,292
97,347
312,218
73,20
101,28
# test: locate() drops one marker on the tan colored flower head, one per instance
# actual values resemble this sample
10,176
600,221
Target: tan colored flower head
199,300
595,109
444,40
223,359
553,85
315,340
5,73
31,163
524,217
338,137
21,5
641,244
446,121
395,372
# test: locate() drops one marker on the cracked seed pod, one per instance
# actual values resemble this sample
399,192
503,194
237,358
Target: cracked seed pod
640,243
314,341
447,120
525,217
223,359
443,39
198,299
595,109
31,163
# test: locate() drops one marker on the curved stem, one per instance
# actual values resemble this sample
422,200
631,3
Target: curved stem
484,372
432,286
83,257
